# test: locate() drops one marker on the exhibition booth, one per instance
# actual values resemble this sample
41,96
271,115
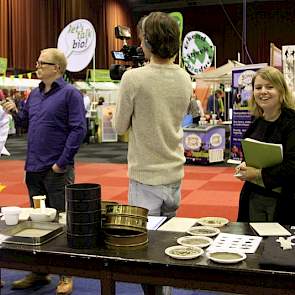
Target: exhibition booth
206,143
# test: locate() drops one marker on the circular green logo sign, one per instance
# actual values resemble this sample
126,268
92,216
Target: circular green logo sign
197,52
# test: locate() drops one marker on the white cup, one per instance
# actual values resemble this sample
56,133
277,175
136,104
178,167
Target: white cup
39,201
11,215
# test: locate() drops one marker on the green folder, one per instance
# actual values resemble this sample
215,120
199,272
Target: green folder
259,154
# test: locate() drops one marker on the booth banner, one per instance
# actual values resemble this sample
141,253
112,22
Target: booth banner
241,118
3,65
240,123
288,55
98,75
197,52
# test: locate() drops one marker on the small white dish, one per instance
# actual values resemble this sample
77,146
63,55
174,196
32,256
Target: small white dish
183,252
213,221
41,215
226,257
206,231
195,241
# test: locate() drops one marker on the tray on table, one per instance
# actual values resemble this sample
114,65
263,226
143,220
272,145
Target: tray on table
32,233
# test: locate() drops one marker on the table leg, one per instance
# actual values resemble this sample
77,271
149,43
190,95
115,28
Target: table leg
108,286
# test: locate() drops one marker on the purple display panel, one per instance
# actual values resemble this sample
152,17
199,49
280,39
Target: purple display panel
240,122
198,142
241,119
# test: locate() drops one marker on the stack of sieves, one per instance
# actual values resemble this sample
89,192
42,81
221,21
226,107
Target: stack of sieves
125,226
104,205
83,213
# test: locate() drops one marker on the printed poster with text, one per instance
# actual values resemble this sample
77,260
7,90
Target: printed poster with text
241,119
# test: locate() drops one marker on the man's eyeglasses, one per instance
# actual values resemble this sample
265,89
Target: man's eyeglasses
40,63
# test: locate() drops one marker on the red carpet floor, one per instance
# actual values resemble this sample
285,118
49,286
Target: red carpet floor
206,190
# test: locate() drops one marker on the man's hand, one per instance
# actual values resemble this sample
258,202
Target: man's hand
9,106
57,169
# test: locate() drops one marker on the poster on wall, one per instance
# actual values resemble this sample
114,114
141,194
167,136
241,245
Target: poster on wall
197,52
288,56
241,117
275,57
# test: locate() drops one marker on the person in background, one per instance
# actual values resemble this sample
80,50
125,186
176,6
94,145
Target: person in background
87,106
55,116
152,102
215,103
220,114
268,194
195,109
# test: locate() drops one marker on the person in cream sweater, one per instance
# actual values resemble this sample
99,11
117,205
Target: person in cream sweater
152,102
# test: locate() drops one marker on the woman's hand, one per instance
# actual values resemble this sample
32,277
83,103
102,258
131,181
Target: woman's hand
238,168
247,173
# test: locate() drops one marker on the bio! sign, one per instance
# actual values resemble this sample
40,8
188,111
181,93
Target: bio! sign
78,41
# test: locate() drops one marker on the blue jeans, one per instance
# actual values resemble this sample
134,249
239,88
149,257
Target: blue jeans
160,200
50,184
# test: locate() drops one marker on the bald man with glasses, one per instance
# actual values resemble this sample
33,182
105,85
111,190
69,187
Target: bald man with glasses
55,116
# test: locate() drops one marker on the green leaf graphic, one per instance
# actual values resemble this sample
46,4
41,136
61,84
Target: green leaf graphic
204,48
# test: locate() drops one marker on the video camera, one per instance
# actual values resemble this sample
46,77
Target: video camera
133,54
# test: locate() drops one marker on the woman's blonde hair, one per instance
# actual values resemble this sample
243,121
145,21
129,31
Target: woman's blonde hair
276,78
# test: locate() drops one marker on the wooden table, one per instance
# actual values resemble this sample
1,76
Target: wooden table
150,265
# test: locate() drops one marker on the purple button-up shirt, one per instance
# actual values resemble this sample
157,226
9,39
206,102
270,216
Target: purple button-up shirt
56,125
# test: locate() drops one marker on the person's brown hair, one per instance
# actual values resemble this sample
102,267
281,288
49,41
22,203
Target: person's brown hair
161,34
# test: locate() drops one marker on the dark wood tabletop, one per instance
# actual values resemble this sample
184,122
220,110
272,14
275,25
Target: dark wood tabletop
151,265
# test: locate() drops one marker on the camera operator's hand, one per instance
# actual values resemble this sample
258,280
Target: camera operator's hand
9,106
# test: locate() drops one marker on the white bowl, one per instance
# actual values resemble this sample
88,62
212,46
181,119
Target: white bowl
11,214
11,209
46,214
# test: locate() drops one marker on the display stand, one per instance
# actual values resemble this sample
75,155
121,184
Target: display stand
204,144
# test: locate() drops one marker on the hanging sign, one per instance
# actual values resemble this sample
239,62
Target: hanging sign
178,17
78,41
197,52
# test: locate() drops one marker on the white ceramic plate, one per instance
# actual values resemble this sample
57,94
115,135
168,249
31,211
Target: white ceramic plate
206,231
213,221
195,241
183,252
226,256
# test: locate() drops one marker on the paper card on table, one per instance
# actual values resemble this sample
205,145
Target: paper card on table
261,154
179,224
238,243
154,222
269,229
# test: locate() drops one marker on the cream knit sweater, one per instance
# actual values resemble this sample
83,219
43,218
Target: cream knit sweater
152,101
